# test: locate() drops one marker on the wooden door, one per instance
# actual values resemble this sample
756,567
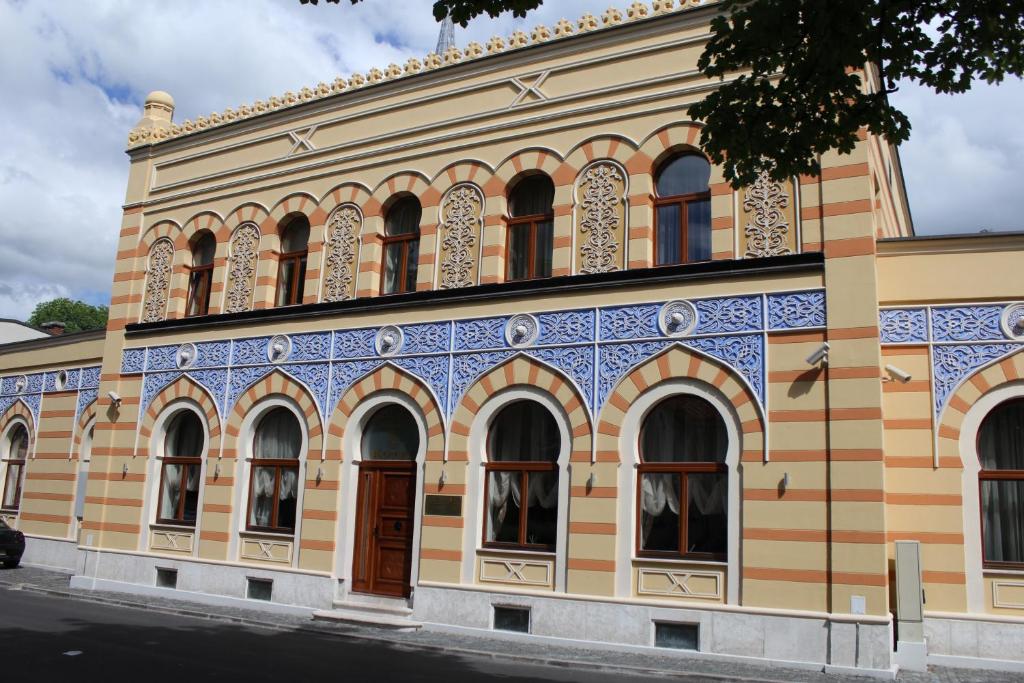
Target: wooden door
382,563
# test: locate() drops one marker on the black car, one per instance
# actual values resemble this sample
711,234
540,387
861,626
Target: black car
12,545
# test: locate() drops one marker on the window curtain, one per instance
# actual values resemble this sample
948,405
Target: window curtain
391,434
279,436
502,490
184,436
1001,447
522,432
658,491
296,236
171,494
683,429
19,444
687,174
534,195
12,485
404,217
261,512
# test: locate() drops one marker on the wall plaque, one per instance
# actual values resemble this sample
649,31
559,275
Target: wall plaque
442,506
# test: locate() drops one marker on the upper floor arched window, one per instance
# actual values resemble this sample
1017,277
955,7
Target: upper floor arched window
15,452
682,480
291,269
201,274
1001,484
180,469
682,210
402,246
521,490
531,228
274,475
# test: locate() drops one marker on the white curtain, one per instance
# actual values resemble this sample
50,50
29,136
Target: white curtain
683,429
184,436
171,493
279,436
261,513
657,491
524,431
502,489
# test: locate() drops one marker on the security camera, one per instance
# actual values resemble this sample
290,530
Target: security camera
114,398
896,373
820,355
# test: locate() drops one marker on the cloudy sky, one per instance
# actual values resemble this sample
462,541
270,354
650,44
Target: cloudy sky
73,75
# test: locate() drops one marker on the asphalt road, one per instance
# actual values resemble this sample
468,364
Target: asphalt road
45,638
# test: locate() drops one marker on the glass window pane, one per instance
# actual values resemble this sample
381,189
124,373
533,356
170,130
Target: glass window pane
683,429
542,508
391,434
392,264
1001,437
18,444
198,293
518,252
1002,505
262,496
524,431
279,436
687,174
285,281
300,285
184,436
706,528
698,230
669,235
412,266
544,249
659,511
295,236
11,486
532,196
287,497
403,218
204,250
170,495
504,491
191,493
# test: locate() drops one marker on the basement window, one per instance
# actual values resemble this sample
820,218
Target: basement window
515,619
259,589
166,578
676,636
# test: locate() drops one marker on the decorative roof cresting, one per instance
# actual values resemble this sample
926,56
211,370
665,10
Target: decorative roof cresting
156,124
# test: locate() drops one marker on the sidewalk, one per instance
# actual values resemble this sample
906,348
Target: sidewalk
674,666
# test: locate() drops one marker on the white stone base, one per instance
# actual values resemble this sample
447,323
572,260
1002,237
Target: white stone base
50,553
199,581
975,643
912,656
729,635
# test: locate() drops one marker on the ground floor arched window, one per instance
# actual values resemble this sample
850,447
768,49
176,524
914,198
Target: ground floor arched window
180,469
274,475
1001,484
15,450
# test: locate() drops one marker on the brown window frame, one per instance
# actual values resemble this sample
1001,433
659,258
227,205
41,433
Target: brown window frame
203,277
533,221
20,479
524,468
404,240
684,470
295,294
278,465
179,518
682,201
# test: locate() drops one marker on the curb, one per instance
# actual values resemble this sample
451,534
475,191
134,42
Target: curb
553,662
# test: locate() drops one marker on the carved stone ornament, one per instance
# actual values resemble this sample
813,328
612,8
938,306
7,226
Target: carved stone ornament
343,229
279,349
1012,321
463,210
522,330
242,272
21,384
186,355
158,281
600,208
768,231
389,340
677,318
61,381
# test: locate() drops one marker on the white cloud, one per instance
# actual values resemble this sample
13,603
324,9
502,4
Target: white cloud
75,73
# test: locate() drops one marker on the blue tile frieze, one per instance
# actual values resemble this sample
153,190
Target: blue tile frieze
903,325
630,322
966,323
30,388
733,314
796,310
474,335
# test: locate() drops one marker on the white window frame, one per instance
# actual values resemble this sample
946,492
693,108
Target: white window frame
5,459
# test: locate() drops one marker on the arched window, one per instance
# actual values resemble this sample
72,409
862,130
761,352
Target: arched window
274,476
16,450
682,481
84,458
402,246
291,268
201,275
682,210
531,228
180,469
391,434
521,488
1001,483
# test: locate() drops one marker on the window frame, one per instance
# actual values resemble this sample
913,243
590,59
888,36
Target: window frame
993,475
403,240
11,462
185,462
278,464
684,470
200,279
683,201
295,293
531,223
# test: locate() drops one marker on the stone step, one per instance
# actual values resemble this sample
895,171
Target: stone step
361,616
374,605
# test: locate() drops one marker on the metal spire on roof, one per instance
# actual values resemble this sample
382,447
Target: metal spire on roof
447,36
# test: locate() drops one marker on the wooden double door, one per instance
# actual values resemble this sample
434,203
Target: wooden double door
385,506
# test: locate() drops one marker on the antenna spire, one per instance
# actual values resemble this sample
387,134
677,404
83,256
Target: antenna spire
447,36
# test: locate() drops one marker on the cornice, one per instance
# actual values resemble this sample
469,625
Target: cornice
142,139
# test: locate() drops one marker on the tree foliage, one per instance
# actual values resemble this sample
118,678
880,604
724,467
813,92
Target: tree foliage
792,73
77,316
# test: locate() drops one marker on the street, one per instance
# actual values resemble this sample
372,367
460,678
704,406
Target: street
52,639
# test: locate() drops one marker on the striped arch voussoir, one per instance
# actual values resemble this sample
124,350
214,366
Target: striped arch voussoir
545,160
87,416
1005,370
346,193
246,213
516,372
182,388
207,220
19,409
278,383
461,172
299,202
388,378
168,229
406,182
678,362
614,147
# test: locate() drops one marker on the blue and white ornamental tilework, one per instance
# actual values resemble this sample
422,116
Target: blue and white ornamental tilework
30,389
961,339
594,347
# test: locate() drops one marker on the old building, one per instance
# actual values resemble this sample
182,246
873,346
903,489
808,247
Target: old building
485,341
